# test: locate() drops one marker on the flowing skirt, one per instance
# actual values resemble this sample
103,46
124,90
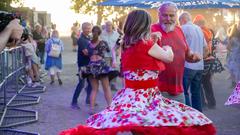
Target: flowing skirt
98,69
235,96
145,112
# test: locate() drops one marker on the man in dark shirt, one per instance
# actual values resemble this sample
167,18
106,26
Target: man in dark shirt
83,60
37,36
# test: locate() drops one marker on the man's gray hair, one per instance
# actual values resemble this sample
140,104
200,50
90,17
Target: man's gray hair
85,24
187,15
166,4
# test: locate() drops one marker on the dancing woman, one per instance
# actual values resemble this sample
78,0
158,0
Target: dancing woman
139,108
98,69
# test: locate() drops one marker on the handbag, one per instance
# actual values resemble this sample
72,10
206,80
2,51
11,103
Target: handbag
55,49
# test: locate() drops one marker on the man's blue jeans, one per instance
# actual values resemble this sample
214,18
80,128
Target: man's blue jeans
79,88
192,79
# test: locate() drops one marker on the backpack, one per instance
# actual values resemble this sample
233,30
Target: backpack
55,49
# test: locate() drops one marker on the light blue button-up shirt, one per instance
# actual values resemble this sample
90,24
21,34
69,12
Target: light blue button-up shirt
196,42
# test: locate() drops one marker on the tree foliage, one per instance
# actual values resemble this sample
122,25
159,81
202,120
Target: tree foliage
90,7
5,5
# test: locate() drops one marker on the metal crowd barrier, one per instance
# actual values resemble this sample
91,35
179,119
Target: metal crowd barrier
12,66
15,132
12,85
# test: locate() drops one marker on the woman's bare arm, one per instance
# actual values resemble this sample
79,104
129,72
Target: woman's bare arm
165,54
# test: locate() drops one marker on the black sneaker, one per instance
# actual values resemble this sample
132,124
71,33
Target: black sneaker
75,106
211,106
52,82
60,81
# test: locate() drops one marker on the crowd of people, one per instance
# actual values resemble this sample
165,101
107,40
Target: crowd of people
35,41
47,53
165,92
158,96
98,59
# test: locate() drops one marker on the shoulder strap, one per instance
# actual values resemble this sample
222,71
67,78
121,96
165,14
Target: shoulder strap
55,41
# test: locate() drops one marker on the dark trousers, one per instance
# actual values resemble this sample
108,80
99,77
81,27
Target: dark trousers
208,90
79,88
41,56
192,79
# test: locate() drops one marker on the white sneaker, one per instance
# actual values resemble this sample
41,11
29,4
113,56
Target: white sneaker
29,81
35,84
43,74
29,84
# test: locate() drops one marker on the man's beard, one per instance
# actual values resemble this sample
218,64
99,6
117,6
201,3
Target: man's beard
168,27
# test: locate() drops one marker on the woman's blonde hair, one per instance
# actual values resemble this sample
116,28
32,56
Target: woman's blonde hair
55,33
137,27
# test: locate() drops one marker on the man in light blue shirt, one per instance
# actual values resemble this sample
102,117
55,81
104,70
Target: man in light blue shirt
193,71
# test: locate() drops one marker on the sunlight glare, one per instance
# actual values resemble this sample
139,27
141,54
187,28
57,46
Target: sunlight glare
61,14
